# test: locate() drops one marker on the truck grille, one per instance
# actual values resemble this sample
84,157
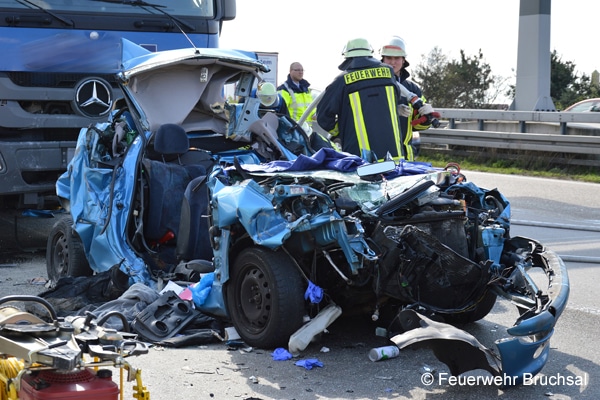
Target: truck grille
54,80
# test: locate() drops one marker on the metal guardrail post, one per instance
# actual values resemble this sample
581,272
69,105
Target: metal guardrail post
563,128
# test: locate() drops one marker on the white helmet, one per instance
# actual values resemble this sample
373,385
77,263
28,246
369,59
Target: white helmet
358,47
266,93
394,48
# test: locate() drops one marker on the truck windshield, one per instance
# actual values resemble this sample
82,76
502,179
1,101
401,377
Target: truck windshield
189,8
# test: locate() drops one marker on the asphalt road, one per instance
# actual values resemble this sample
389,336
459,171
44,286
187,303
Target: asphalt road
215,371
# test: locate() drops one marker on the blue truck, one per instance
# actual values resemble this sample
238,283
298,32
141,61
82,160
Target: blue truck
59,59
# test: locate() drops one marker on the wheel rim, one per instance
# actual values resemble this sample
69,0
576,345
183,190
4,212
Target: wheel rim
255,299
60,257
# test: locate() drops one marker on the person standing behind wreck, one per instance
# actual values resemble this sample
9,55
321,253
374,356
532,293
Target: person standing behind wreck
393,53
359,108
296,92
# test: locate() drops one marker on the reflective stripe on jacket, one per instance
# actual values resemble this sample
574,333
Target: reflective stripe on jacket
297,102
406,123
363,102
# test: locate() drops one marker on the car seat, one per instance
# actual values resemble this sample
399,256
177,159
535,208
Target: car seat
167,179
193,239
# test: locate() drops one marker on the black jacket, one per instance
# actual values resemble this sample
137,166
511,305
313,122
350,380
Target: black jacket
363,101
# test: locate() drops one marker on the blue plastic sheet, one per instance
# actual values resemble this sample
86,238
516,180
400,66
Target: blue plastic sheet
322,159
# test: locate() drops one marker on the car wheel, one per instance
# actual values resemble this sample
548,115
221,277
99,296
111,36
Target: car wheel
64,252
480,311
265,297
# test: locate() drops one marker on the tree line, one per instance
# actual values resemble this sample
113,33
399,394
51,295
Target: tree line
469,82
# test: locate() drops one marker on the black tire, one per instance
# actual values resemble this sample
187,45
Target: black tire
265,297
65,255
482,309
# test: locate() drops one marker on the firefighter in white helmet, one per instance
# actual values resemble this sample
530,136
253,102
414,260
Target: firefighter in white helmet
394,54
359,108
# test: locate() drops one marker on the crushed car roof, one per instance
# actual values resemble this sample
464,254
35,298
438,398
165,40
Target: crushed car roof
136,60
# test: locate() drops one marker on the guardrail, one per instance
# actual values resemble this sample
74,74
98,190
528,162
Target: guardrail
554,132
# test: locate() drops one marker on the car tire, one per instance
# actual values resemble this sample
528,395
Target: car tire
65,255
265,297
482,309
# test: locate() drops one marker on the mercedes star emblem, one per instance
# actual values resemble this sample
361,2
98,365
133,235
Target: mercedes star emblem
93,97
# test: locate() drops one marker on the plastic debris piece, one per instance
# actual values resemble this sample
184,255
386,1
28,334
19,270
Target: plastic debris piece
186,294
38,281
38,213
281,354
427,369
253,379
231,334
314,293
235,344
324,349
381,332
173,287
309,363
303,336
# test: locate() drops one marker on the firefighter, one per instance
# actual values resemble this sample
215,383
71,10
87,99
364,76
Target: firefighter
394,54
359,108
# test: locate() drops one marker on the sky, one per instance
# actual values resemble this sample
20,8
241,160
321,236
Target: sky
314,32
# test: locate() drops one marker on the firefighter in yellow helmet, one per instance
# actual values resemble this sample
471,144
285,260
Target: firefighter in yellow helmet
359,108
394,54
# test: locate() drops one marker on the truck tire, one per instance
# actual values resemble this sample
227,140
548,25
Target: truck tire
65,255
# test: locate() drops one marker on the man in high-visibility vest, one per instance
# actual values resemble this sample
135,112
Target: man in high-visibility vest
359,108
296,92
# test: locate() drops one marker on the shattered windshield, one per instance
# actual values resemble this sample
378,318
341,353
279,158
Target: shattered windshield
369,195
188,8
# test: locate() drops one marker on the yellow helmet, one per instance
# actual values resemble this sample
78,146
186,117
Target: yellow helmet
266,93
394,48
358,47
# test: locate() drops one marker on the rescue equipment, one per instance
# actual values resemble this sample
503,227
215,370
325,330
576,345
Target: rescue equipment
62,358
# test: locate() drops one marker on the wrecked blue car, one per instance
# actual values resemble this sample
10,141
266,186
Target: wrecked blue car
191,181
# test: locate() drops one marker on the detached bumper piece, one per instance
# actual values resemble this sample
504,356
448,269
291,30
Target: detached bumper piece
527,350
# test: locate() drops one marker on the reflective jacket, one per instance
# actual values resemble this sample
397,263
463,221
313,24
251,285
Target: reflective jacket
406,123
362,102
297,99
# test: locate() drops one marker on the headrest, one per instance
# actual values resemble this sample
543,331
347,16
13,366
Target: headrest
171,139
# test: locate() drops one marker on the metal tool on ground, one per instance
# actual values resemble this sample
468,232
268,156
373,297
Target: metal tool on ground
52,358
